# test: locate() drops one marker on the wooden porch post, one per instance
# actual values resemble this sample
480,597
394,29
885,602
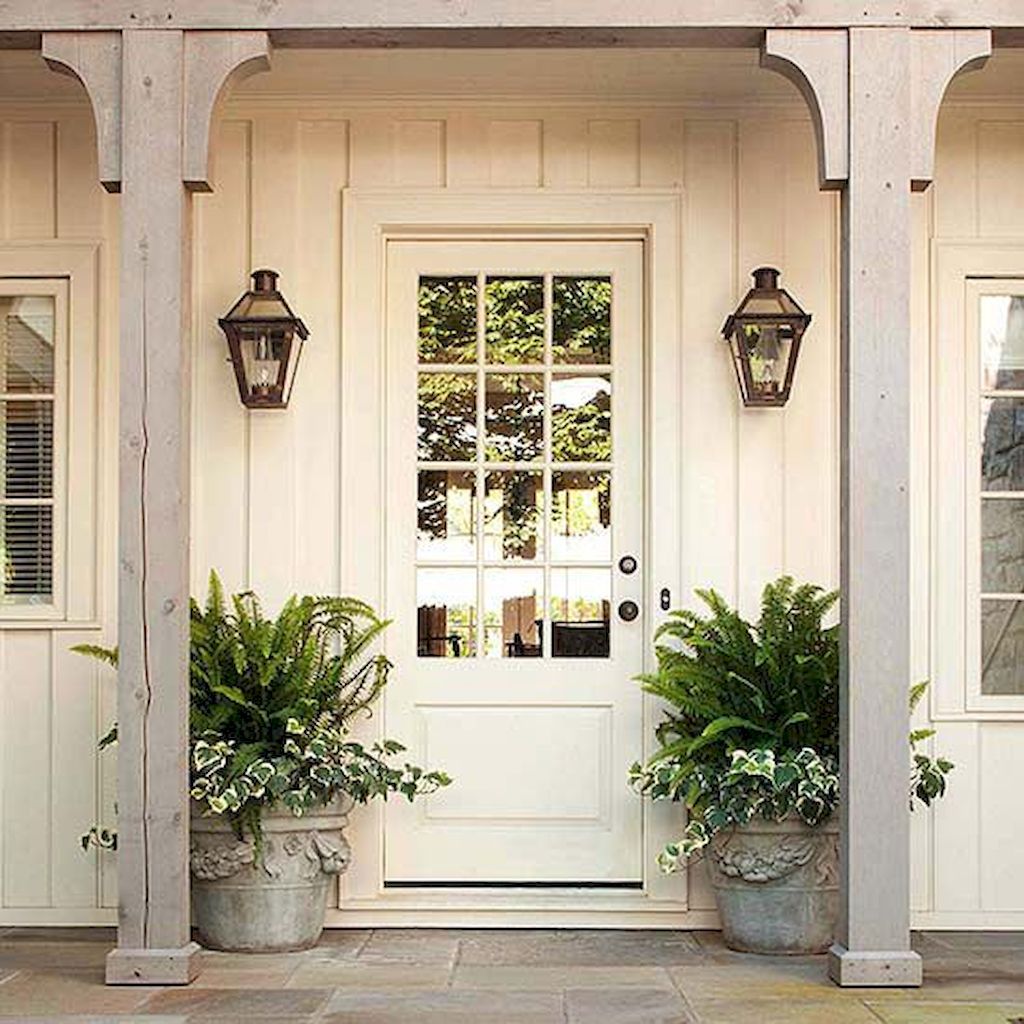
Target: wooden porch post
875,94
160,86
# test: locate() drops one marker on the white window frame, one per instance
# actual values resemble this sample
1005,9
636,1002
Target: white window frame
69,271
963,271
57,290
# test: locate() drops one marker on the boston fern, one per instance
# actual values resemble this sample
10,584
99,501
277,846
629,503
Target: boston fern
751,727
271,705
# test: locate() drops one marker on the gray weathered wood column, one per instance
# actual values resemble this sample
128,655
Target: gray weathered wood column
158,86
875,94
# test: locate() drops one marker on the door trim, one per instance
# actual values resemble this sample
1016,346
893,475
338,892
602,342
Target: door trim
372,218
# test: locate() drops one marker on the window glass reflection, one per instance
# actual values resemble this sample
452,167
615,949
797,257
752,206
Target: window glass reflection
580,613
446,613
1002,341
514,515
581,418
447,417
447,319
582,320
1002,647
514,417
581,515
1002,444
514,323
513,610
446,515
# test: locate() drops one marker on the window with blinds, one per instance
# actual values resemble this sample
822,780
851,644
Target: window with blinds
27,398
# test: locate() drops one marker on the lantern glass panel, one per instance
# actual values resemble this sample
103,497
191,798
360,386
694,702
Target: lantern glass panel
768,346
264,350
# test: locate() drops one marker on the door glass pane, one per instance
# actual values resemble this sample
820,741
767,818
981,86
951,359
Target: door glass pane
447,311
1002,647
581,512
515,319
582,320
446,613
514,417
447,417
1002,341
26,343
1002,444
581,417
1002,546
580,613
513,608
514,515
446,515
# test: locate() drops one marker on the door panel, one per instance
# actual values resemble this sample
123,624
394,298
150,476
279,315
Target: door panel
515,480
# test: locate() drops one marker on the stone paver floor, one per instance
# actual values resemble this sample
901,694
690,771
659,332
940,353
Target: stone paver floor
405,976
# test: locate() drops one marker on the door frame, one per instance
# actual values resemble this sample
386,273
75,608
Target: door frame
370,219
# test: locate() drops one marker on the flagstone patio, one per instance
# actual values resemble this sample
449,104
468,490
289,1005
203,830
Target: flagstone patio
388,976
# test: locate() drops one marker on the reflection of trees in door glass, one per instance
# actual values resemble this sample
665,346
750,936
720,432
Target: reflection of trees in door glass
581,418
514,319
447,319
514,417
513,515
582,320
446,514
447,417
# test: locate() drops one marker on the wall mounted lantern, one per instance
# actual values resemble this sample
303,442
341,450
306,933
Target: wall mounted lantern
265,340
764,335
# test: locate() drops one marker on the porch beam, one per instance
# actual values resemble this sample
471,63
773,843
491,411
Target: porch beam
599,15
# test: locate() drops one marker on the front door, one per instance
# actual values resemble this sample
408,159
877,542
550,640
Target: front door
515,559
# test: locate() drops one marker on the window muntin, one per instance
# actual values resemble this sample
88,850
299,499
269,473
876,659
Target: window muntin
30,380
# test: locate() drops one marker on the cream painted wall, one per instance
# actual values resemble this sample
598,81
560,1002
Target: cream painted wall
759,488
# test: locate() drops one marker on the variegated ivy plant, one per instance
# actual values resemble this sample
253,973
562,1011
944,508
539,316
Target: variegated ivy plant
272,701
751,728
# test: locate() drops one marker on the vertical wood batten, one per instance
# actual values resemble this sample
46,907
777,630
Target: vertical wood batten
154,506
764,169
809,451
221,274
875,514
272,514
709,404
323,173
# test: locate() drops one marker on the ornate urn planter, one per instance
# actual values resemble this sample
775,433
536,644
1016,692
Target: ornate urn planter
273,901
777,885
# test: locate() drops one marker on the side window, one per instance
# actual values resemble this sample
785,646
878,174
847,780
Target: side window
31,446
1000,489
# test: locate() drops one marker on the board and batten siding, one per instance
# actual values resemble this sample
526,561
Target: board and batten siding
759,489
54,704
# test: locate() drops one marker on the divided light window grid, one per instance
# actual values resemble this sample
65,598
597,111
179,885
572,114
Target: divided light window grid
27,400
514,465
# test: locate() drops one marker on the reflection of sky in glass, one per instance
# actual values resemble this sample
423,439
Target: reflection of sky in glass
575,584
503,584
446,586
572,392
1001,336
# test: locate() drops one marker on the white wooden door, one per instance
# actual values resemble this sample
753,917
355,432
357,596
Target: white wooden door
515,565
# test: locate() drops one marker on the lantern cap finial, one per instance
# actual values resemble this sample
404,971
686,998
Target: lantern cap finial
766,278
264,280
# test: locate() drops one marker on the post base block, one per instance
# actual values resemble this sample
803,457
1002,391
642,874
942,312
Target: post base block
870,969
154,966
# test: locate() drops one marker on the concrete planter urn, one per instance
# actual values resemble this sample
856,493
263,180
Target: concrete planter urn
777,885
275,904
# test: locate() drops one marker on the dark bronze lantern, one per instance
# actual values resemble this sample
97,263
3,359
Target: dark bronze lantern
265,340
764,335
